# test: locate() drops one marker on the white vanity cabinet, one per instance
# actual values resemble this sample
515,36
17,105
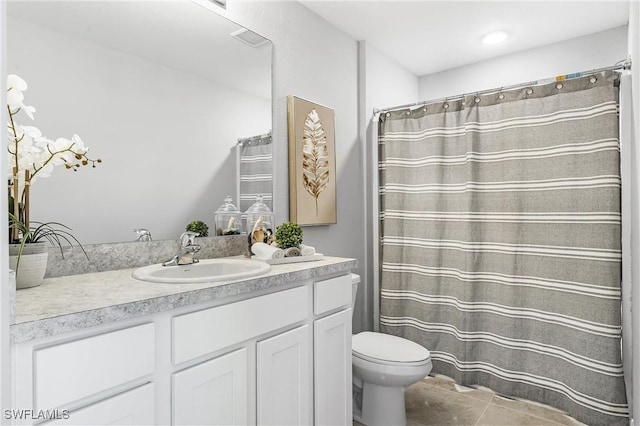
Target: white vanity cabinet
217,392
274,357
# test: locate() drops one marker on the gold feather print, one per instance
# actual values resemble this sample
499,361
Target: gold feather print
315,157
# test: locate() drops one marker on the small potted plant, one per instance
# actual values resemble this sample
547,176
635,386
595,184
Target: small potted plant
288,235
31,156
198,226
32,249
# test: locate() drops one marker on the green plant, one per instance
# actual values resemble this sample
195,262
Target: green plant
199,227
54,232
288,234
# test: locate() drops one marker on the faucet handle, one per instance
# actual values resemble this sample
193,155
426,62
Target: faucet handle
188,238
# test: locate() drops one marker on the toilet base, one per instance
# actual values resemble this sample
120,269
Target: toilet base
391,412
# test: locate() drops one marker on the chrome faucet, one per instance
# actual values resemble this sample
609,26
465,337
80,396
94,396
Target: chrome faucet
143,234
186,250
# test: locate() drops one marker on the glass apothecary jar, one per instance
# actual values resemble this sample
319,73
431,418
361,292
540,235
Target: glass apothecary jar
260,221
228,218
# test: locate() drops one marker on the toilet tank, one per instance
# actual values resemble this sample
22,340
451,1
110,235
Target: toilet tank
355,280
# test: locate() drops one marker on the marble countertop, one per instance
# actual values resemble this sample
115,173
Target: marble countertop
68,303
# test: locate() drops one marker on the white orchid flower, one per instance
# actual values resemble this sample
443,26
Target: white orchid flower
28,136
64,150
32,155
44,170
15,97
79,145
35,135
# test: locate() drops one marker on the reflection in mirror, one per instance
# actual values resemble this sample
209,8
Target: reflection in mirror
255,170
161,91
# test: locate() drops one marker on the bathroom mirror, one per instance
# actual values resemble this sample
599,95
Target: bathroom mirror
160,91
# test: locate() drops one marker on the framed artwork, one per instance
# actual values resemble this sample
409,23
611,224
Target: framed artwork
312,163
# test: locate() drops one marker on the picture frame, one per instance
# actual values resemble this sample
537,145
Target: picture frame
312,163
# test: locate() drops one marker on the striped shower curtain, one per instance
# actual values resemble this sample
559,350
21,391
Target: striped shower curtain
255,158
500,241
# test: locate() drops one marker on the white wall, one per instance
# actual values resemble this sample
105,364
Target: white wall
315,61
387,83
5,302
598,50
382,83
165,136
634,54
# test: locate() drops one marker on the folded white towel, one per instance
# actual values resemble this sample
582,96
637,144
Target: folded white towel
292,252
265,251
306,250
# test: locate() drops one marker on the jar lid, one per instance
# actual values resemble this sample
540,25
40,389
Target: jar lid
259,207
228,206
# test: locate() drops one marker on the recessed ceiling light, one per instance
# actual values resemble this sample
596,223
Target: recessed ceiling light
495,37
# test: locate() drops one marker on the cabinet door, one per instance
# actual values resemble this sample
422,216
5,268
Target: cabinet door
134,407
212,393
332,369
284,378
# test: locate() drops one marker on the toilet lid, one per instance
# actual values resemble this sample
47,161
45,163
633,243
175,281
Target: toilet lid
387,348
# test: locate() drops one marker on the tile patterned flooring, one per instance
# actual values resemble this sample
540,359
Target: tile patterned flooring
440,401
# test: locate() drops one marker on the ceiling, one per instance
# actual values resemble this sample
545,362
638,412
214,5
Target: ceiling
431,36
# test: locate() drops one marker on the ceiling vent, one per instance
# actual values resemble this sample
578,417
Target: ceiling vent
221,3
249,37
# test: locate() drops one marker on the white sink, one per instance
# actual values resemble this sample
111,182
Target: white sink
209,270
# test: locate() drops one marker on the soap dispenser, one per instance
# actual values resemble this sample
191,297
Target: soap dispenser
228,218
260,221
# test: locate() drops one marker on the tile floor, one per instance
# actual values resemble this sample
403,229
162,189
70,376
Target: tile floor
440,401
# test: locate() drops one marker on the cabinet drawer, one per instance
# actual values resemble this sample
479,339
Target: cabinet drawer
199,333
331,294
135,407
77,369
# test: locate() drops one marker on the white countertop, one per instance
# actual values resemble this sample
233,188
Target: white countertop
68,303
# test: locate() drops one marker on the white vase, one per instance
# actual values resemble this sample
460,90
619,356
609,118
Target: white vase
33,263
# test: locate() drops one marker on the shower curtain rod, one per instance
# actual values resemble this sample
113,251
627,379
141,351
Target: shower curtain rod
620,65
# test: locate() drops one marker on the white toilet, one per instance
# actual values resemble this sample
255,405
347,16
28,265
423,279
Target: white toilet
383,366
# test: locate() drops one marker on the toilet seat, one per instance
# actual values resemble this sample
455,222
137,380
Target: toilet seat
391,363
387,349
